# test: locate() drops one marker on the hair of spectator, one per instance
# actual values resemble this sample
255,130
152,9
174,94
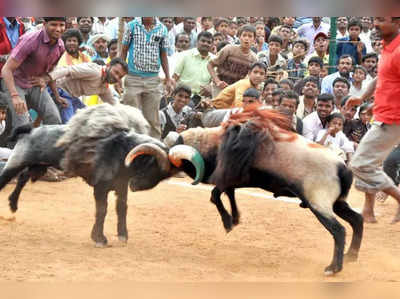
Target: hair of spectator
258,64
354,23
341,79
278,92
49,19
78,19
316,59
290,94
99,61
184,88
270,81
344,100
287,81
119,60
335,115
344,56
188,18
72,33
252,93
112,42
247,28
259,23
221,44
303,42
369,55
325,97
363,107
360,67
275,38
205,34
220,21
179,35
312,79
205,19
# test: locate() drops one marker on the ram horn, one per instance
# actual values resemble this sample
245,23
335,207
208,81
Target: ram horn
149,149
184,152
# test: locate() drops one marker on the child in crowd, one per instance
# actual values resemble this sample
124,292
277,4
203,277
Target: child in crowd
334,138
358,127
359,75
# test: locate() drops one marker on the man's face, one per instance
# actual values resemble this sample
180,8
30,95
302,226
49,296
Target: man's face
340,89
85,25
183,42
366,22
341,22
189,25
316,21
299,49
246,39
274,48
289,21
72,45
181,99
324,109
310,89
284,33
385,27
204,44
370,63
54,29
114,73
233,29
348,113
100,46
168,23
267,93
345,66
359,75
223,28
321,44
314,69
289,105
246,101
354,32
113,52
257,75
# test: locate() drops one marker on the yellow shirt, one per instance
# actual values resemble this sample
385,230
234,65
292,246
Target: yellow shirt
66,59
232,95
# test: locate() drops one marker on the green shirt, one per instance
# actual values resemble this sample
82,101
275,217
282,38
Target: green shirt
192,70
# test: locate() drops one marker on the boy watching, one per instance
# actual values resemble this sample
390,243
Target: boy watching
296,67
222,26
352,44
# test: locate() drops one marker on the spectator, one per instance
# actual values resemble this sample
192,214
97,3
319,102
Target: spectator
191,70
218,38
270,85
207,24
352,44
318,120
272,57
357,86
251,96
324,71
85,27
36,54
189,27
182,42
348,113
222,26
289,101
285,35
232,95
112,48
341,23
313,69
261,45
99,42
344,67
169,23
233,61
296,68
11,30
357,128
310,30
365,35
232,32
341,87
370,61
99,25
276,98
173,115
147,41
334,138
321,43
72,38
286,84
308,101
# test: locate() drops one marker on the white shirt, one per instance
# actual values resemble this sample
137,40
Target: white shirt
176,118
308,31
340,141
311,126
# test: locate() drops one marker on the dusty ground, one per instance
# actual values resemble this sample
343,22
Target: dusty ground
176,235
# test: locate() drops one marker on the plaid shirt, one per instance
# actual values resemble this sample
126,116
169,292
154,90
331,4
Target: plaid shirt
145,47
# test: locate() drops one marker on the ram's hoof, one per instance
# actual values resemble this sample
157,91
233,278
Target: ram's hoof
123,239
101,245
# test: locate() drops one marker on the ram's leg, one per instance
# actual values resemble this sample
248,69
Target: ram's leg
234,210
342,209
122,208
225,216
328,220
100,195
23,178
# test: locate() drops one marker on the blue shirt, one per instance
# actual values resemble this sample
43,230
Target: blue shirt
326,84
144,58
345,46
12,32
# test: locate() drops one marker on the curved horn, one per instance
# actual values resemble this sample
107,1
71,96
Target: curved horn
149,149
179,152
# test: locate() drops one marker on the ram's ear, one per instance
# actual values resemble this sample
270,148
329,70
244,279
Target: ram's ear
110,154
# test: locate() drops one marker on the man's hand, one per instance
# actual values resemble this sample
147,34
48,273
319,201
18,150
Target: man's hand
353,101
181,128
360,47
221,84
169,86
63,102
205,91
39,81
19,105
118,88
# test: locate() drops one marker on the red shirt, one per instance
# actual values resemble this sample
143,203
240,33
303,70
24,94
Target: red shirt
387,92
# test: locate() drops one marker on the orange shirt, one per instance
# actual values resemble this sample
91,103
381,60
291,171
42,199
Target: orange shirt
387,92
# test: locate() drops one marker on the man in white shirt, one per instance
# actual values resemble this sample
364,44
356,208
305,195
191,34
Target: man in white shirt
317,120
310,30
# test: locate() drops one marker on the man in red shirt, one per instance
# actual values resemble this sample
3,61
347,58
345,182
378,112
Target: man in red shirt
385,132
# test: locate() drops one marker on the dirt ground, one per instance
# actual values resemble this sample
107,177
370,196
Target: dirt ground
176,235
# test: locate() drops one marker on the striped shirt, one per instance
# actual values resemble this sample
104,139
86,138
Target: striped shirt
145,47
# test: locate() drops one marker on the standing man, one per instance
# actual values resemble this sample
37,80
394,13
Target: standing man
147,41
384,134
36,54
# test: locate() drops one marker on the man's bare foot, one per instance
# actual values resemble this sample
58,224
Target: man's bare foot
369,218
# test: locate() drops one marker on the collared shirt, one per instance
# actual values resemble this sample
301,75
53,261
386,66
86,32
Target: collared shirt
192,70
387,92
308,31
67,59
301,111
263,56
345,46
145,47
176,118
232,95
36,55
83,80
12,32
295,70
339,141
311,126
326,85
